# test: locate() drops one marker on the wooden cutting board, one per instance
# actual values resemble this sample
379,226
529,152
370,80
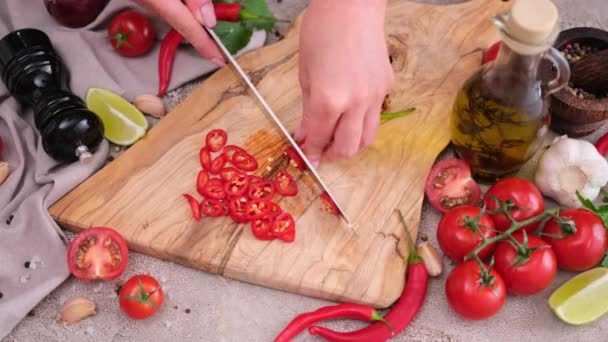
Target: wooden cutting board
433,50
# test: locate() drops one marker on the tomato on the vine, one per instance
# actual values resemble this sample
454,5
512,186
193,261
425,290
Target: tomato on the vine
473,296
98,253
449,185
456,240
131,33
526,197
525,272
582,249
141,296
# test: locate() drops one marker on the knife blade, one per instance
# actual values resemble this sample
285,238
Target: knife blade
276,120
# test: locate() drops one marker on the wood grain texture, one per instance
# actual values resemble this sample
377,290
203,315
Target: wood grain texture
591,72
434,49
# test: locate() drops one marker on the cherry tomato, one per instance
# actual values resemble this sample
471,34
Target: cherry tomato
469,296
274,209
230,150
216,140
450,185
329,204
456,240
228,172
214,189
98,254
525,195
213,208
257,208
284,227
201,181
491,53
238,209
217,164
194,206
244,161
237,185
295,157
583,249
262,227
532,276
141,297
263,191
285,184
205,158
131,33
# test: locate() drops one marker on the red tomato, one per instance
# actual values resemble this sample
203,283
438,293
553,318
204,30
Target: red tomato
201,181
244,161
194,206
141,297
262,227
205,158
449,185
295,157
263,191
257,208
217,164
583,249
237,185
214,189
469,296
230,150
228,172
274,209
530,277
216,140
284,184
525,195
284,227
131,33
456,240
491,53
213,208
329,204
238,209
98,254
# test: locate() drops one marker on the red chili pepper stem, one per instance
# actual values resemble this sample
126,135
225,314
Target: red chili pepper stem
413,258
377,317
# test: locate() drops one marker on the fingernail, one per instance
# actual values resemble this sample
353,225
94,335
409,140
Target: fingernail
218,62
207,14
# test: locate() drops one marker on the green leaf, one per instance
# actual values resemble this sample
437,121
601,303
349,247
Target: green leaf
235,36
604,262
602,211
260,9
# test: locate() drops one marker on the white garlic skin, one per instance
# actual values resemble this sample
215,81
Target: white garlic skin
569,165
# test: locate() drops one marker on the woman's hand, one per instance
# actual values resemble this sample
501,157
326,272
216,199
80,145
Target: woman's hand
187,20
345,74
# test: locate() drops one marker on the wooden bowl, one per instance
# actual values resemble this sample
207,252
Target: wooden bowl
572,115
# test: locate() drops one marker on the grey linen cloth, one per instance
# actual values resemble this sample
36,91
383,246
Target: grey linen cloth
27,232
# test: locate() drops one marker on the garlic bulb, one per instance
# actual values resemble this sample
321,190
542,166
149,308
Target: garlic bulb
568,166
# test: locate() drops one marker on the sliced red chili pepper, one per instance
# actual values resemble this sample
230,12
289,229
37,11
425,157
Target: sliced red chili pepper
329,204
274,209
205,157
238,207
284,227
263,191
201,181
214,189
213,208
298,162
228,172
262,227
230,150
255,180
244,161
196,211
217,164
216,140
284,184
237,185
256,208
602,145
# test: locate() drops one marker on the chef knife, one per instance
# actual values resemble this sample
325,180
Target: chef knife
275,119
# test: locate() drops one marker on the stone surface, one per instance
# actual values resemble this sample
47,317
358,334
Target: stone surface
221,309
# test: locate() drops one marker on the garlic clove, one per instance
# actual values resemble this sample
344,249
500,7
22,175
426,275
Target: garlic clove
150,104
77,309
432,261
4,171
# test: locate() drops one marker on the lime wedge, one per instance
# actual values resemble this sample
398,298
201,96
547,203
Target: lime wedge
123,123
582,299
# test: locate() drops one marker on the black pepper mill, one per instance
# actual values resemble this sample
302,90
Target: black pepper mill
35,75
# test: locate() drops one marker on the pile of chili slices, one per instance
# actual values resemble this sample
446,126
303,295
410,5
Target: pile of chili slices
231,191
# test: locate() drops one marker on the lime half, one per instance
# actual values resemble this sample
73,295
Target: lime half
582,299
123,123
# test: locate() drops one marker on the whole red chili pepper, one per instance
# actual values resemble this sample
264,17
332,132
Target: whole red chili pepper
352,311
602,145
402,312
227,12
168,48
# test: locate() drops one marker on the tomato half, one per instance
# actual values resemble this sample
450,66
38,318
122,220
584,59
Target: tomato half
194,206
524,194
284,227
257,208
140,297
456,240
449,185
262,227
469,297
263,191
216,140
535,274
205,158
237,185
230,150
228,172
214,189
131,33
98,254
583,249
329,203
298,162
285,184
244,161
274,209
201,181
217,164
213,208
238,209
